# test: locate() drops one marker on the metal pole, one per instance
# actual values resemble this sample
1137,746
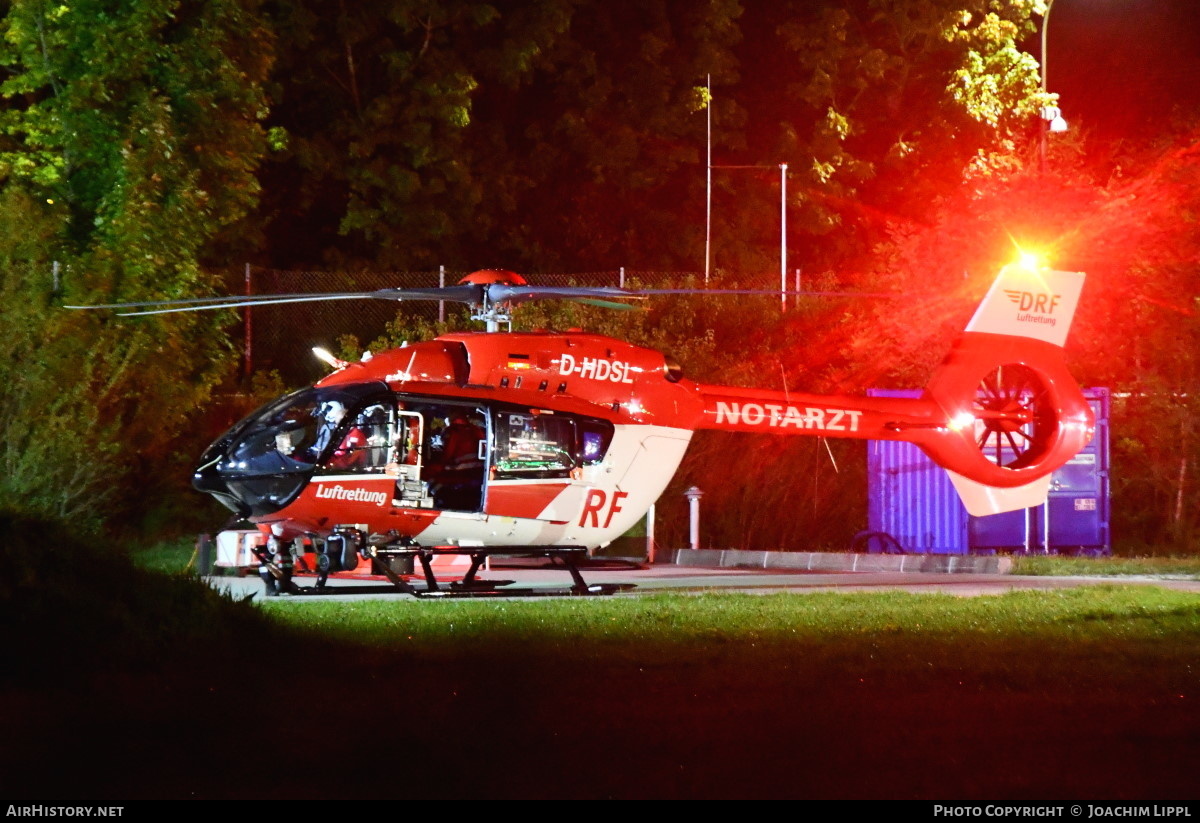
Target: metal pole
441,303
1045,137
783,236
694,522
708,189
621,278
1046,523
650,534
248,348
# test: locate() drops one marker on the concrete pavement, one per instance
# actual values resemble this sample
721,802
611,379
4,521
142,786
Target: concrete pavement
797,573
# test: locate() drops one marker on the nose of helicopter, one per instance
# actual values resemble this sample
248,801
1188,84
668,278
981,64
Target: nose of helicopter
264,462
209,480
249,479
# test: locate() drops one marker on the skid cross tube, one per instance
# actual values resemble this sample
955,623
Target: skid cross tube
470,585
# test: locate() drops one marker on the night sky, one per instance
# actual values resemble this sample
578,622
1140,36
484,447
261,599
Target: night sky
1120,66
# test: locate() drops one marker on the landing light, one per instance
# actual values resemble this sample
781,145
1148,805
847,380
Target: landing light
1029,260
326,357
961,421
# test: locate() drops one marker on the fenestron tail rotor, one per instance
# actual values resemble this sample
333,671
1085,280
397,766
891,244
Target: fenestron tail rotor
1014,416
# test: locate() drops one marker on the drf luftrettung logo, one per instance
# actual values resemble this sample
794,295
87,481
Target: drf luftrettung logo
1034,307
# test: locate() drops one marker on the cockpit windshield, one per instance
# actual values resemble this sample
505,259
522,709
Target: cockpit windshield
298,428
266,459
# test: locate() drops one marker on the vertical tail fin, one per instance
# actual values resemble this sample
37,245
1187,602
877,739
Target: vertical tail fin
1038,305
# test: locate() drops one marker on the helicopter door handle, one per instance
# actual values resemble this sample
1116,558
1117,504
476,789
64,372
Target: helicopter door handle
481,452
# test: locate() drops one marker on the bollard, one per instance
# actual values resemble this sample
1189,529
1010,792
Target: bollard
693,495
204,558
650,534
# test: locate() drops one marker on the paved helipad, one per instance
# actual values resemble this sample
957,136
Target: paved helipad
541,579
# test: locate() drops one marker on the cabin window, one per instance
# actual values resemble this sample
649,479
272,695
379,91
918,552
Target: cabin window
539,446
438,454
593,437
529,445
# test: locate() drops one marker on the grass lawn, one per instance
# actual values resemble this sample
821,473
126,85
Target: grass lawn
142,685
119,682
1073,694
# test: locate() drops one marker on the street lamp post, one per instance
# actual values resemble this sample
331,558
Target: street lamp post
1052,115
708,210
783,236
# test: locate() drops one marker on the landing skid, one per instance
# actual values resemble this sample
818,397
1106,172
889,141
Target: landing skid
470,586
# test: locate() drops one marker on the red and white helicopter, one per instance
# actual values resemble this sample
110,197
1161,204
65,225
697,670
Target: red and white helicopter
555,444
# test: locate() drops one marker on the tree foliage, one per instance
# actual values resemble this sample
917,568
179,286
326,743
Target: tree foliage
883,104
132,142
421,133
146,147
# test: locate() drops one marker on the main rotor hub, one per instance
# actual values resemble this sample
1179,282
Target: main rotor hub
487,310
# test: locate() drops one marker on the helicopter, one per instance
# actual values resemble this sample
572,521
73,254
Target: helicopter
553,444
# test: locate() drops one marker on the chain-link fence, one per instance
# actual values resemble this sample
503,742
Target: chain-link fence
281,337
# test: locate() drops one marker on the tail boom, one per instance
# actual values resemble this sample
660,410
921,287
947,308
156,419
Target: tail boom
1000,413
769,412
1004,441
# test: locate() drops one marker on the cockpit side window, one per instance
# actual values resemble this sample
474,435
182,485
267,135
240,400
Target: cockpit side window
364,438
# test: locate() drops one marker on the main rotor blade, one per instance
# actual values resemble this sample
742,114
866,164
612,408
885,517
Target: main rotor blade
505,293
240,303
184,301
460,294
474,294
604,304
764,292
